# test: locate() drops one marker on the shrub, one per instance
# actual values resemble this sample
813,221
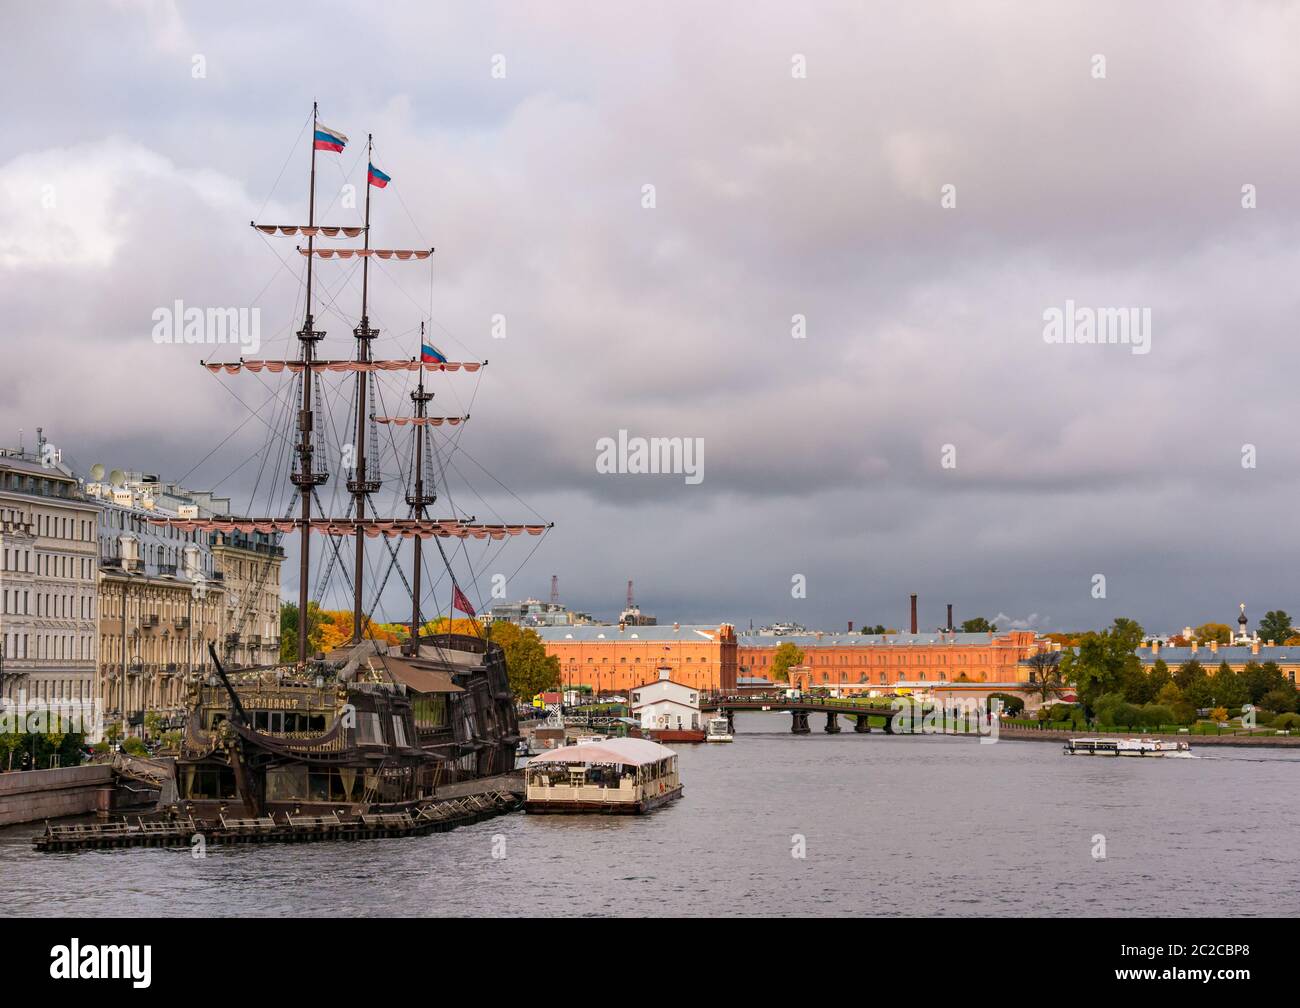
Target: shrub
1288,721
132,746
1281,700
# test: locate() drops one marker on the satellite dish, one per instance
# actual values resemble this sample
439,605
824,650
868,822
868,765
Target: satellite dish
117,477
97,471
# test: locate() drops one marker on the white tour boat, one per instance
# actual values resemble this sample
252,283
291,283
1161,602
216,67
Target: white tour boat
618,775
1125,747
718,731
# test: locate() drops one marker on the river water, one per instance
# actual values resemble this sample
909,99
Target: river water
883,826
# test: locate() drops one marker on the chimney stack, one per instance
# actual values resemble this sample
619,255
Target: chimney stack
951,628
914,612
851,627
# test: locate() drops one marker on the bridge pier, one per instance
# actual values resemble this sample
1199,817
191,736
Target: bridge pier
832,723
861,724
799,724
731,722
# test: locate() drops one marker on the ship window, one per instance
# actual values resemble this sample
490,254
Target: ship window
368,729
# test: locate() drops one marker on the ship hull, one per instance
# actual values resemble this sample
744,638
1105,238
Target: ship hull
641,807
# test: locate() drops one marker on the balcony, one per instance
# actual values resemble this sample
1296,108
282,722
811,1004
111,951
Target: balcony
232,639
167,570
149,620
254,640
182,622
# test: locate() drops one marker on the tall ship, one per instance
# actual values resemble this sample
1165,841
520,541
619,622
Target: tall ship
367,737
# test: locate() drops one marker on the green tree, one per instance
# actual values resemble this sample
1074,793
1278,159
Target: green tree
877,629
1263,678
152,723
530,668
1045,678
1170,695
1198,690
1159,676
1229,689
1188,671
978,625
1283,701
289,630
1275,626
785,658
1104,662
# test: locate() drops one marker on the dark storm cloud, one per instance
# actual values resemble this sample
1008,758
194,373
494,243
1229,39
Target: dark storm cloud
775,197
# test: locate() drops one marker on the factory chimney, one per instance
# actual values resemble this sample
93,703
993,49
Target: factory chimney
913,612
951,628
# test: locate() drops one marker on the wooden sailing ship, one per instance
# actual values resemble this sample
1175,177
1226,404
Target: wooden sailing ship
369,734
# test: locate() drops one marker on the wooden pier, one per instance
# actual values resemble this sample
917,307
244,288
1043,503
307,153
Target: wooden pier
435,816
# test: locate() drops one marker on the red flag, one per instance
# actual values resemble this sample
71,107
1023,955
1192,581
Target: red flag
459,601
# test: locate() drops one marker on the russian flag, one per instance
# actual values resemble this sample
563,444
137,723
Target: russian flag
430,354
378,179
329,139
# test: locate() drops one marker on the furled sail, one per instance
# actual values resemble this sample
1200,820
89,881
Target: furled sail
308,231
317,367
428,421
405,528
348,253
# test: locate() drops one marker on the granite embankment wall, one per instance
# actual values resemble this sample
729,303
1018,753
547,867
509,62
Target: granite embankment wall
33,795
1055,735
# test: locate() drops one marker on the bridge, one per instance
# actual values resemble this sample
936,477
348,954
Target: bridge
861,713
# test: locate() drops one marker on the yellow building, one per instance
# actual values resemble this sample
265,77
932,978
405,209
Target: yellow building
154,631
249,571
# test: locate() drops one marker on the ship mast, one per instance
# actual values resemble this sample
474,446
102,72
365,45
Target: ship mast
306,478
306,475
359,485
418,500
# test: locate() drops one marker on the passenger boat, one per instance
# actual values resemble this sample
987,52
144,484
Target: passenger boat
620,776
1125,747
718,730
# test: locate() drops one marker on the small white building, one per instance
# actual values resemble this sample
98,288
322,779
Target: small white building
664,705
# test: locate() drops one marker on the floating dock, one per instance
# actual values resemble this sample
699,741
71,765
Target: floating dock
432,817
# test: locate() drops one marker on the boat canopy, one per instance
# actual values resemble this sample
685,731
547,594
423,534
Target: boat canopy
624,751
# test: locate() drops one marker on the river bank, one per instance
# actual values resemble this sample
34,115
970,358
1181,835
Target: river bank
1060,735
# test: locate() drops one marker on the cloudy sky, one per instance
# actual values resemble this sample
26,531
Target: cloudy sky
922,435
